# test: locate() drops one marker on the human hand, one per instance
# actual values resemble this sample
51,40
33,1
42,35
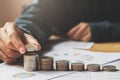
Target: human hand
12,42
80,32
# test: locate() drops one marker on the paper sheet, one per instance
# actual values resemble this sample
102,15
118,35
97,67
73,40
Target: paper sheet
74,44
85,56
8,72
75,51
91,76
73,54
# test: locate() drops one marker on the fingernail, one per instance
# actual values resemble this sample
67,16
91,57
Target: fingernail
22,50
38,48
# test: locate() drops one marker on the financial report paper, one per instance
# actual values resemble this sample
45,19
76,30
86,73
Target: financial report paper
73,53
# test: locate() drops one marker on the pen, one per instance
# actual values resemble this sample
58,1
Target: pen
61,76
111,61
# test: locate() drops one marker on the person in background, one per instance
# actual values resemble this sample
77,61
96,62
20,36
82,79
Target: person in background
81,20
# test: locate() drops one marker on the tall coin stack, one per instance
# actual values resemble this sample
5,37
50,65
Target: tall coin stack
46,63
30,58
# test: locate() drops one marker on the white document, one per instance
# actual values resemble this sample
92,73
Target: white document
105,76
15,72
84,56
75,51
91,76
74,44
68,51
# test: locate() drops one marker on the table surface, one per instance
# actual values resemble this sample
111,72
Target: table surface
107,47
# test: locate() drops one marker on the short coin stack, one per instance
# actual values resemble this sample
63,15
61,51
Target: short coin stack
46,63
62,65
93,67
77,66
109,68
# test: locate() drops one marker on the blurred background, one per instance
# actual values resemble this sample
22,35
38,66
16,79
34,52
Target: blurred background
11,9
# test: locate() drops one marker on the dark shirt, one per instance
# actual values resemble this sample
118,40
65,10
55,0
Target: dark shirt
46,17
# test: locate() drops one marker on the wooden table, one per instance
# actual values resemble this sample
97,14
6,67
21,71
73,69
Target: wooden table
107,47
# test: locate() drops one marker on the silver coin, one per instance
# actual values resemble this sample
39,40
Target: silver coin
46,60
62,65
109,68
46,63
93,67
77,66
31,47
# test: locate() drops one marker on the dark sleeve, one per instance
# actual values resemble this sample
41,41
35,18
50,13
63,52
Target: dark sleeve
46,17
105,31
33,20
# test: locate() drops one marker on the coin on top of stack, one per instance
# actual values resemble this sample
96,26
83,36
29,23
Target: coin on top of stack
31,47
93,67
46,63
109,68
30,62
62,65
77,66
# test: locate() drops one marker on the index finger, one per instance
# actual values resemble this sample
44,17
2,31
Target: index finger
14,37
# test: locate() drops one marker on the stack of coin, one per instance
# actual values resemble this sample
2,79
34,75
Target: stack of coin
93,67
109,68
62,65
77,66
30,62
46,63
31,58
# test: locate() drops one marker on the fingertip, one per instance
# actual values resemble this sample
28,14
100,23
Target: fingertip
22,50
38,47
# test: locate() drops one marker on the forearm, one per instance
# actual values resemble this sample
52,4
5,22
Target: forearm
105,31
